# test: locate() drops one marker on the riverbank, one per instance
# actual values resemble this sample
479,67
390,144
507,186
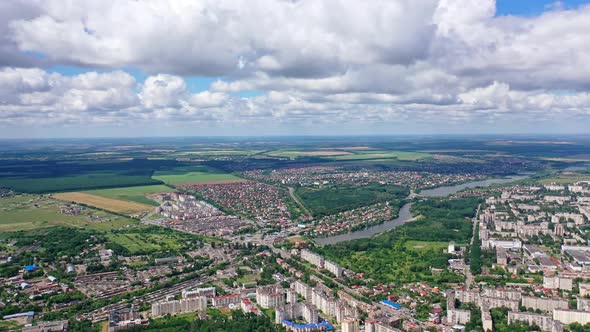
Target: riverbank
405,215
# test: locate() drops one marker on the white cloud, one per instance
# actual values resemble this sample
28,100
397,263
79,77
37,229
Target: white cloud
163,90
335,61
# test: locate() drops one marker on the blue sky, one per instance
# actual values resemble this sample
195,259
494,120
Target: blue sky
532,7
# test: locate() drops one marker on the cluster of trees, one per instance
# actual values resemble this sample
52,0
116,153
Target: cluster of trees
334,199
387,258
443,219
237,321
577,327
56,241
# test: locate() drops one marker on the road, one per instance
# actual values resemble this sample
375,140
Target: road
469,276
298,201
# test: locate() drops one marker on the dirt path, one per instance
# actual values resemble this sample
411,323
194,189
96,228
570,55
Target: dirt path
298,201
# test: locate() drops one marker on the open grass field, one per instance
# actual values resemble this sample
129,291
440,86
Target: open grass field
142,242
29,212
197,174
109,204
137,194
425,246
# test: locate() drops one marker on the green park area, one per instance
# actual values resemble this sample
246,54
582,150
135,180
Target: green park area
407,253
151,239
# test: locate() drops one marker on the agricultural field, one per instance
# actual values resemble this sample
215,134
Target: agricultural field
297,154
28,212
83,181
60,176
195,174
137,194
109,204
565,178
330,200
400,155
219,152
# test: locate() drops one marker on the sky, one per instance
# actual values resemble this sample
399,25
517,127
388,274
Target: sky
131,68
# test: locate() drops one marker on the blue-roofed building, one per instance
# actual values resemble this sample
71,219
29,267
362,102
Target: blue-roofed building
392,304
30,268
29,314
322,326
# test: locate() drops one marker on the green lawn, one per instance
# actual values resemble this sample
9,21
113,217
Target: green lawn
134,194
20,213
425,246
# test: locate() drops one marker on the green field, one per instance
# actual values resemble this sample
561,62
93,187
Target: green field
565,178
330,200
31,211
151,239
72,183
400,155
134,194
293,154
219,152
142,242
37,176
193,175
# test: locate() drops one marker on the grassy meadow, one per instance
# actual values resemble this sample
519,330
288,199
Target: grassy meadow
29,212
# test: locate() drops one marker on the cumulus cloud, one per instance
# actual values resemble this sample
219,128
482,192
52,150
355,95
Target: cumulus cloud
336,61
162,91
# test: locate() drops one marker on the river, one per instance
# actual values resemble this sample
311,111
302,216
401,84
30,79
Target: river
447,190
405,214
